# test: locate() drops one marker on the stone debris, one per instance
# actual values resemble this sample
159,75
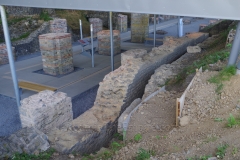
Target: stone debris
58,26
193,49
46,110
29,140
56,50
97,25
4,54
104,43
231,36
122,21
139,27
184,121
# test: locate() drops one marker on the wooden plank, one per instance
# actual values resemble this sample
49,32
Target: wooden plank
34,86
151,39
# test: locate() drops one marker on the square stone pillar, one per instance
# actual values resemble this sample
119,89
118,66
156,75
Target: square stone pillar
56,50
58,26
97,25
139,27
104,43
4,54
122,23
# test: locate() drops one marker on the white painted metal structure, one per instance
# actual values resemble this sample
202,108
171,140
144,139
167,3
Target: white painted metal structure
220,9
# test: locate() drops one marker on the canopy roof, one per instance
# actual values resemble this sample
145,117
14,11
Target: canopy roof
221,9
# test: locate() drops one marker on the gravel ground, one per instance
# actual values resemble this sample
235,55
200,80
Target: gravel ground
9,116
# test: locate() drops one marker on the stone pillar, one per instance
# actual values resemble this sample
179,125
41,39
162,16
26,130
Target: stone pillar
139,27
4,54
122,23
58,26
46,110
104,44
97,25
56,50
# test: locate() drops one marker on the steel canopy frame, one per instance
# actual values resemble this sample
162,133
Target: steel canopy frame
220,9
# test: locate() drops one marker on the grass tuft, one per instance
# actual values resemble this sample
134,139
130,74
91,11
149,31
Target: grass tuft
143,154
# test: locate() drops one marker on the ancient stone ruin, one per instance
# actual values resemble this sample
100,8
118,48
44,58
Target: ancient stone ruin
46,110
139,27
104,42
56,50
58,26
122,21
97,25
4,54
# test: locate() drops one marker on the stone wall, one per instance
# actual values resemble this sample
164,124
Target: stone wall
46,110
139,27
95,128
28,140
30,44
20,11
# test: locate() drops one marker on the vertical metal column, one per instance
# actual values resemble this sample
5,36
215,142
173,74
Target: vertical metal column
235,47
81,35
91,29
10,55
154,31
180,27
111,38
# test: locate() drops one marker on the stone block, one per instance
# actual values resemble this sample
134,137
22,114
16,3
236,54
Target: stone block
58,26
104,43
97,25
230,37
46,110
4,54
186,21
122,23
139,27
29,140
193,49
56,50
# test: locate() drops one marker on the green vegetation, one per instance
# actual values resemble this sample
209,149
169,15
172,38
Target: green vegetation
235,150
210,139
45,16
231,121
143,154
42,156
137,137
221,151
72,17
118,136
215,52
158,137
223,75
218,119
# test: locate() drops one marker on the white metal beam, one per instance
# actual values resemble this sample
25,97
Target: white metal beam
221,9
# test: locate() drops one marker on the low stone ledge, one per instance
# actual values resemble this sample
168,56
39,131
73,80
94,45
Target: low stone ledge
29,140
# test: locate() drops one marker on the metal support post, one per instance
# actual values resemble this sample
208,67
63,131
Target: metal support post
81,35
235,47
10,55
91,29
111,39
180,27
154,31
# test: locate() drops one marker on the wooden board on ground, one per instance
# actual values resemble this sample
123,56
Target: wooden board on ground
34,86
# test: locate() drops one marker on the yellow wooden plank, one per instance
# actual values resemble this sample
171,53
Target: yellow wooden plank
34,86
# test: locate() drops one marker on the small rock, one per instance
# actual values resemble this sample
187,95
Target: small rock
55,154
142,112
149,121
157,127
71,156
184,121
